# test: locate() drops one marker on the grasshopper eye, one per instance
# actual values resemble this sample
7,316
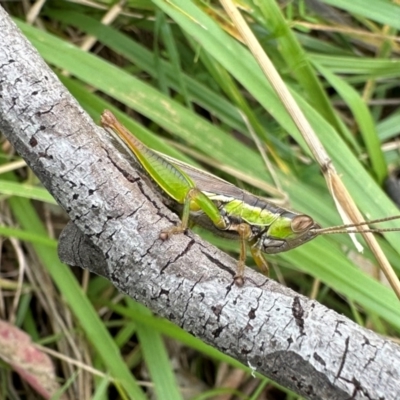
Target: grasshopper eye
301,223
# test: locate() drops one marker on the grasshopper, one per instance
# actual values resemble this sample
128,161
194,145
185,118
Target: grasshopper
220,206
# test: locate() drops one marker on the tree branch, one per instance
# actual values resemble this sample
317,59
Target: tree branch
117,219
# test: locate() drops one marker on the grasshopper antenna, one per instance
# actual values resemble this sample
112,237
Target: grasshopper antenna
330,232
343,228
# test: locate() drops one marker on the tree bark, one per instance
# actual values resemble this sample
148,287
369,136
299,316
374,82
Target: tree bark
116,222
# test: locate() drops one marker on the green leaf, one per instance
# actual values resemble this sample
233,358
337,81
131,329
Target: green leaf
363,118
24,190
383,11
156,356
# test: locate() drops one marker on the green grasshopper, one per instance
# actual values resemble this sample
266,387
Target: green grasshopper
221,207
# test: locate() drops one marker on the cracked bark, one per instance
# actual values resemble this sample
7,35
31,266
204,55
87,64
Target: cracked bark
116,220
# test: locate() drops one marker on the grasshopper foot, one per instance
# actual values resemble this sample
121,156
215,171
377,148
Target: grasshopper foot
239,276
239,280
166,234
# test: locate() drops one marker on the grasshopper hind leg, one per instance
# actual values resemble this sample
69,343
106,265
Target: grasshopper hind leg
196,200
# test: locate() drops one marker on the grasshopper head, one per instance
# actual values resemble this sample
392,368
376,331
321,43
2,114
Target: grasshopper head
287,232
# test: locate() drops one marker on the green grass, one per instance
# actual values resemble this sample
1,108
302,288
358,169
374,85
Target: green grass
192,83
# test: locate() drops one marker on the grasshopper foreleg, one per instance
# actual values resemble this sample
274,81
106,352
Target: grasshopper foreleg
180,228
196,200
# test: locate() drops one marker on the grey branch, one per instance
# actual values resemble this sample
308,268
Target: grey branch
116,221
